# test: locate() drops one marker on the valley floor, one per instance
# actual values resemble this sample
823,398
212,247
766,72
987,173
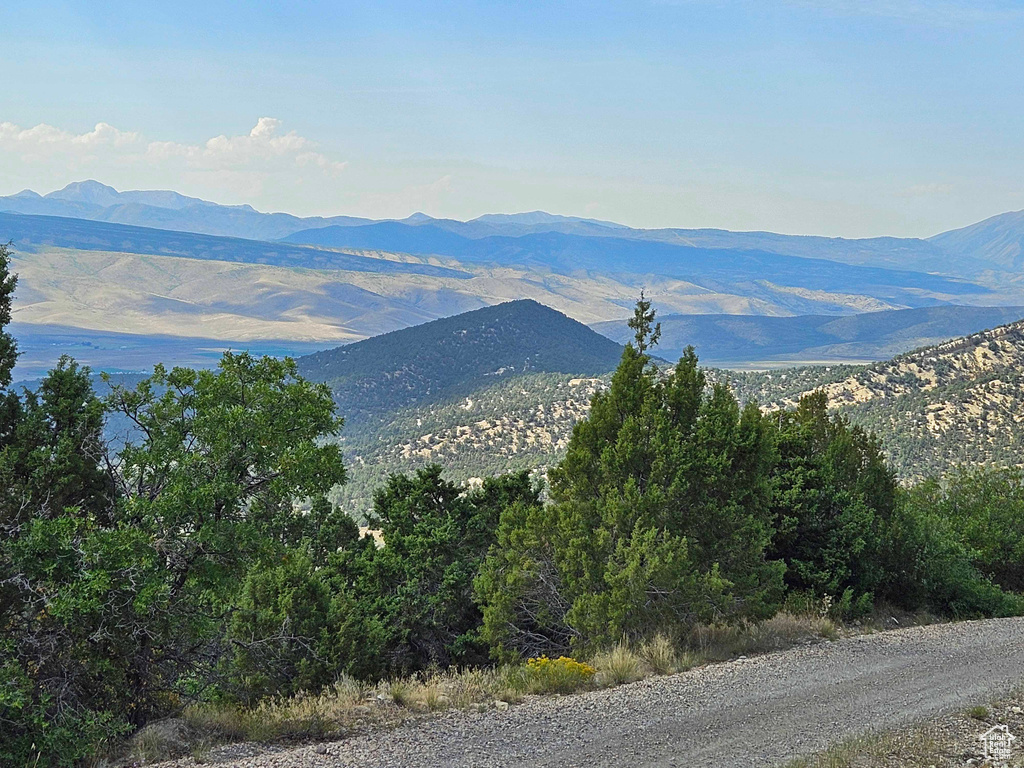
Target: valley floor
759,711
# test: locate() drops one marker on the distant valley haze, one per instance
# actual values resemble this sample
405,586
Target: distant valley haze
179,180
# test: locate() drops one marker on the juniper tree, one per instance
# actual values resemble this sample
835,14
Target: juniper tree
661,516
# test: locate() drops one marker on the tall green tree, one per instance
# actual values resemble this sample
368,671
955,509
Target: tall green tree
218,460
418,588
835,498
54,461
117,584
661,516
61,570
8,347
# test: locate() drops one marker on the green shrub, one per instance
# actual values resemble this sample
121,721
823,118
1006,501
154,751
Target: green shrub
33,735
400,691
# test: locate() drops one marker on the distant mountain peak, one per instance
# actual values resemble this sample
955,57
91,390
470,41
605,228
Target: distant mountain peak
541,217
998,240
418,217
88,191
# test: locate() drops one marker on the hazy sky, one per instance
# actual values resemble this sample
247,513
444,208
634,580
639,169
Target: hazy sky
901,117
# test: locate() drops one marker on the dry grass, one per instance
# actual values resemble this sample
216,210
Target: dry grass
948,741
718,642
917,748
618,666
660,656
349,705
161,740
399,691
844,755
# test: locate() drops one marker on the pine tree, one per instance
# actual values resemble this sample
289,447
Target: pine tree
8,350
8,347
661,515
835,496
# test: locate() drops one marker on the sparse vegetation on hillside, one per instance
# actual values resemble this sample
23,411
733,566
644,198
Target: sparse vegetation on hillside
934,409
520,422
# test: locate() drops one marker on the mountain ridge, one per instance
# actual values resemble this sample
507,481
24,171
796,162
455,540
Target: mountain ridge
957,403
444,357
966,251
998,239
30,231
568,253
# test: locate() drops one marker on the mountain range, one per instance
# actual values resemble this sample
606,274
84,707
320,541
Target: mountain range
993,244
712,268
165,209
133,278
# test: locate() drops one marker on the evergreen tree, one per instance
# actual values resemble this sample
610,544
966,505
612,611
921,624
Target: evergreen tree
54,460
661,516
116,588
8,350
835,497
418,588
8,347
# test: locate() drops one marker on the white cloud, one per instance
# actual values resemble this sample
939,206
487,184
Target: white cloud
263,145
233,165
45,136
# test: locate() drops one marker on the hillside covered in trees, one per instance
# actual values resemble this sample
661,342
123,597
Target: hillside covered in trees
956,403
202,564
457,354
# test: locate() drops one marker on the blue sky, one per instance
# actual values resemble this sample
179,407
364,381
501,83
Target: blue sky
806,116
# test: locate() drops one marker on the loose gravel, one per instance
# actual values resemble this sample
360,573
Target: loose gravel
759,711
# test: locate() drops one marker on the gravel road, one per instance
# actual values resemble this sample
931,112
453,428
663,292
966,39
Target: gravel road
760,711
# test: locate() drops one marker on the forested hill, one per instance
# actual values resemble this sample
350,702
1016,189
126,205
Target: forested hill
457,354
